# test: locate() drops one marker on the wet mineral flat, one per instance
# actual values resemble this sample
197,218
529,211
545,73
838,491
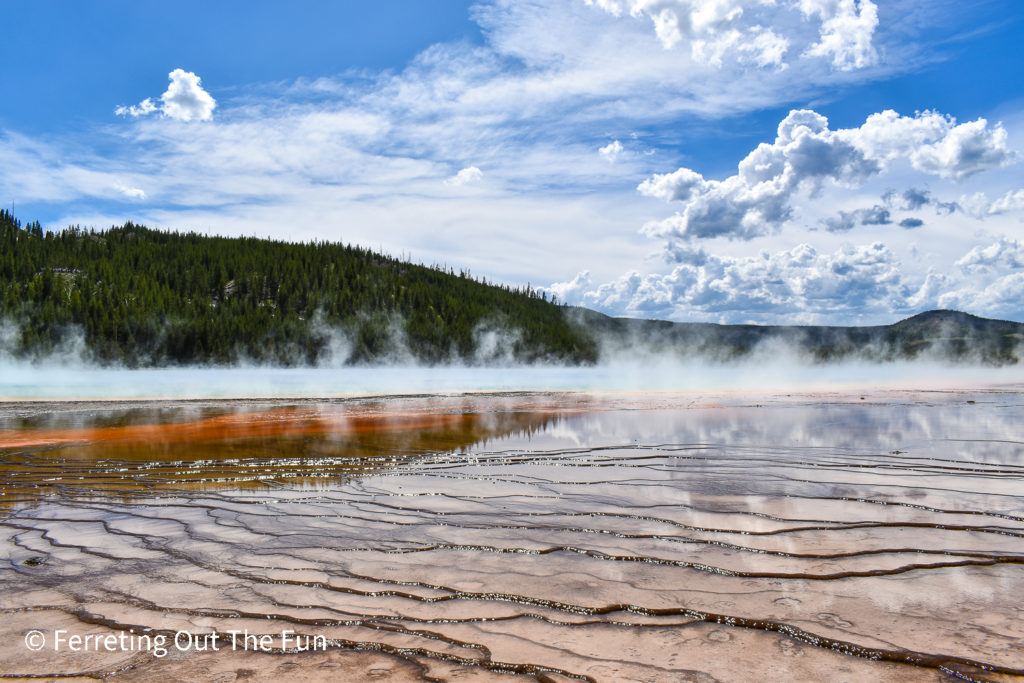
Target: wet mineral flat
604,537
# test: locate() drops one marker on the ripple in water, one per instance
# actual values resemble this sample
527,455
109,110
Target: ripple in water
553,536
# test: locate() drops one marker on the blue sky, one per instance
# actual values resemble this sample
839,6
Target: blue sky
808,161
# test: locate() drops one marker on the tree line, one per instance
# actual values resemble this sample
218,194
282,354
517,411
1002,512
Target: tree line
140,296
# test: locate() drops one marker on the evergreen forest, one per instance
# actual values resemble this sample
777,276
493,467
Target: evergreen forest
146,297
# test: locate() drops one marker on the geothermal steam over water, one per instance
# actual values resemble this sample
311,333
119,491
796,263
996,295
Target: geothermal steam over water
655,538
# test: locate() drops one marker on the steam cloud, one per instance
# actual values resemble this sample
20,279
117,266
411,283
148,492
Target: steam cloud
640,360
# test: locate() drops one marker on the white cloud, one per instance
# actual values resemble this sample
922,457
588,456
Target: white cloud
1011,201
866,284
794,284
184,100
893,203
979,206
913,198
600,64
61,173
1004,253
746,29
144,107
976,204
933,143
611,151
467,176
805,155
131,192
847,28
767,48
575,290
757,45
1000,297
694,21
847,220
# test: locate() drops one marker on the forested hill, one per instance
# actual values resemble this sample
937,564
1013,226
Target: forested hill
149,297
138,296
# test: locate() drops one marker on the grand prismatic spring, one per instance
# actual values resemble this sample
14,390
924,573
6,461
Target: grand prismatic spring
838,536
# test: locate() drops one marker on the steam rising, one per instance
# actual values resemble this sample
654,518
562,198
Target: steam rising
631,363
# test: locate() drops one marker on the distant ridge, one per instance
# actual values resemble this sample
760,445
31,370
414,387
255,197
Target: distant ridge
941,334
141,297
943,317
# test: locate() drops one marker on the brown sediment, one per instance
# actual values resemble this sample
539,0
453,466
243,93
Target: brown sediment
546,537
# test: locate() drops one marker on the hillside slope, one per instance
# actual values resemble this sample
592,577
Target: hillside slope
138,296
147,297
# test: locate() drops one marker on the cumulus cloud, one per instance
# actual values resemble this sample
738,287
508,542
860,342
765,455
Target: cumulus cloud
804,285
184,100
914,199
798,283
847,27
1004,253
574,290
979,206
911,199
611,151
847,220
745,29
806,154
933,143
1011,201
467,176
1001,298
990,281
976,204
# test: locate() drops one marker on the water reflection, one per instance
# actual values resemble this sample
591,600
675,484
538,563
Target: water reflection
618,537
225,446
